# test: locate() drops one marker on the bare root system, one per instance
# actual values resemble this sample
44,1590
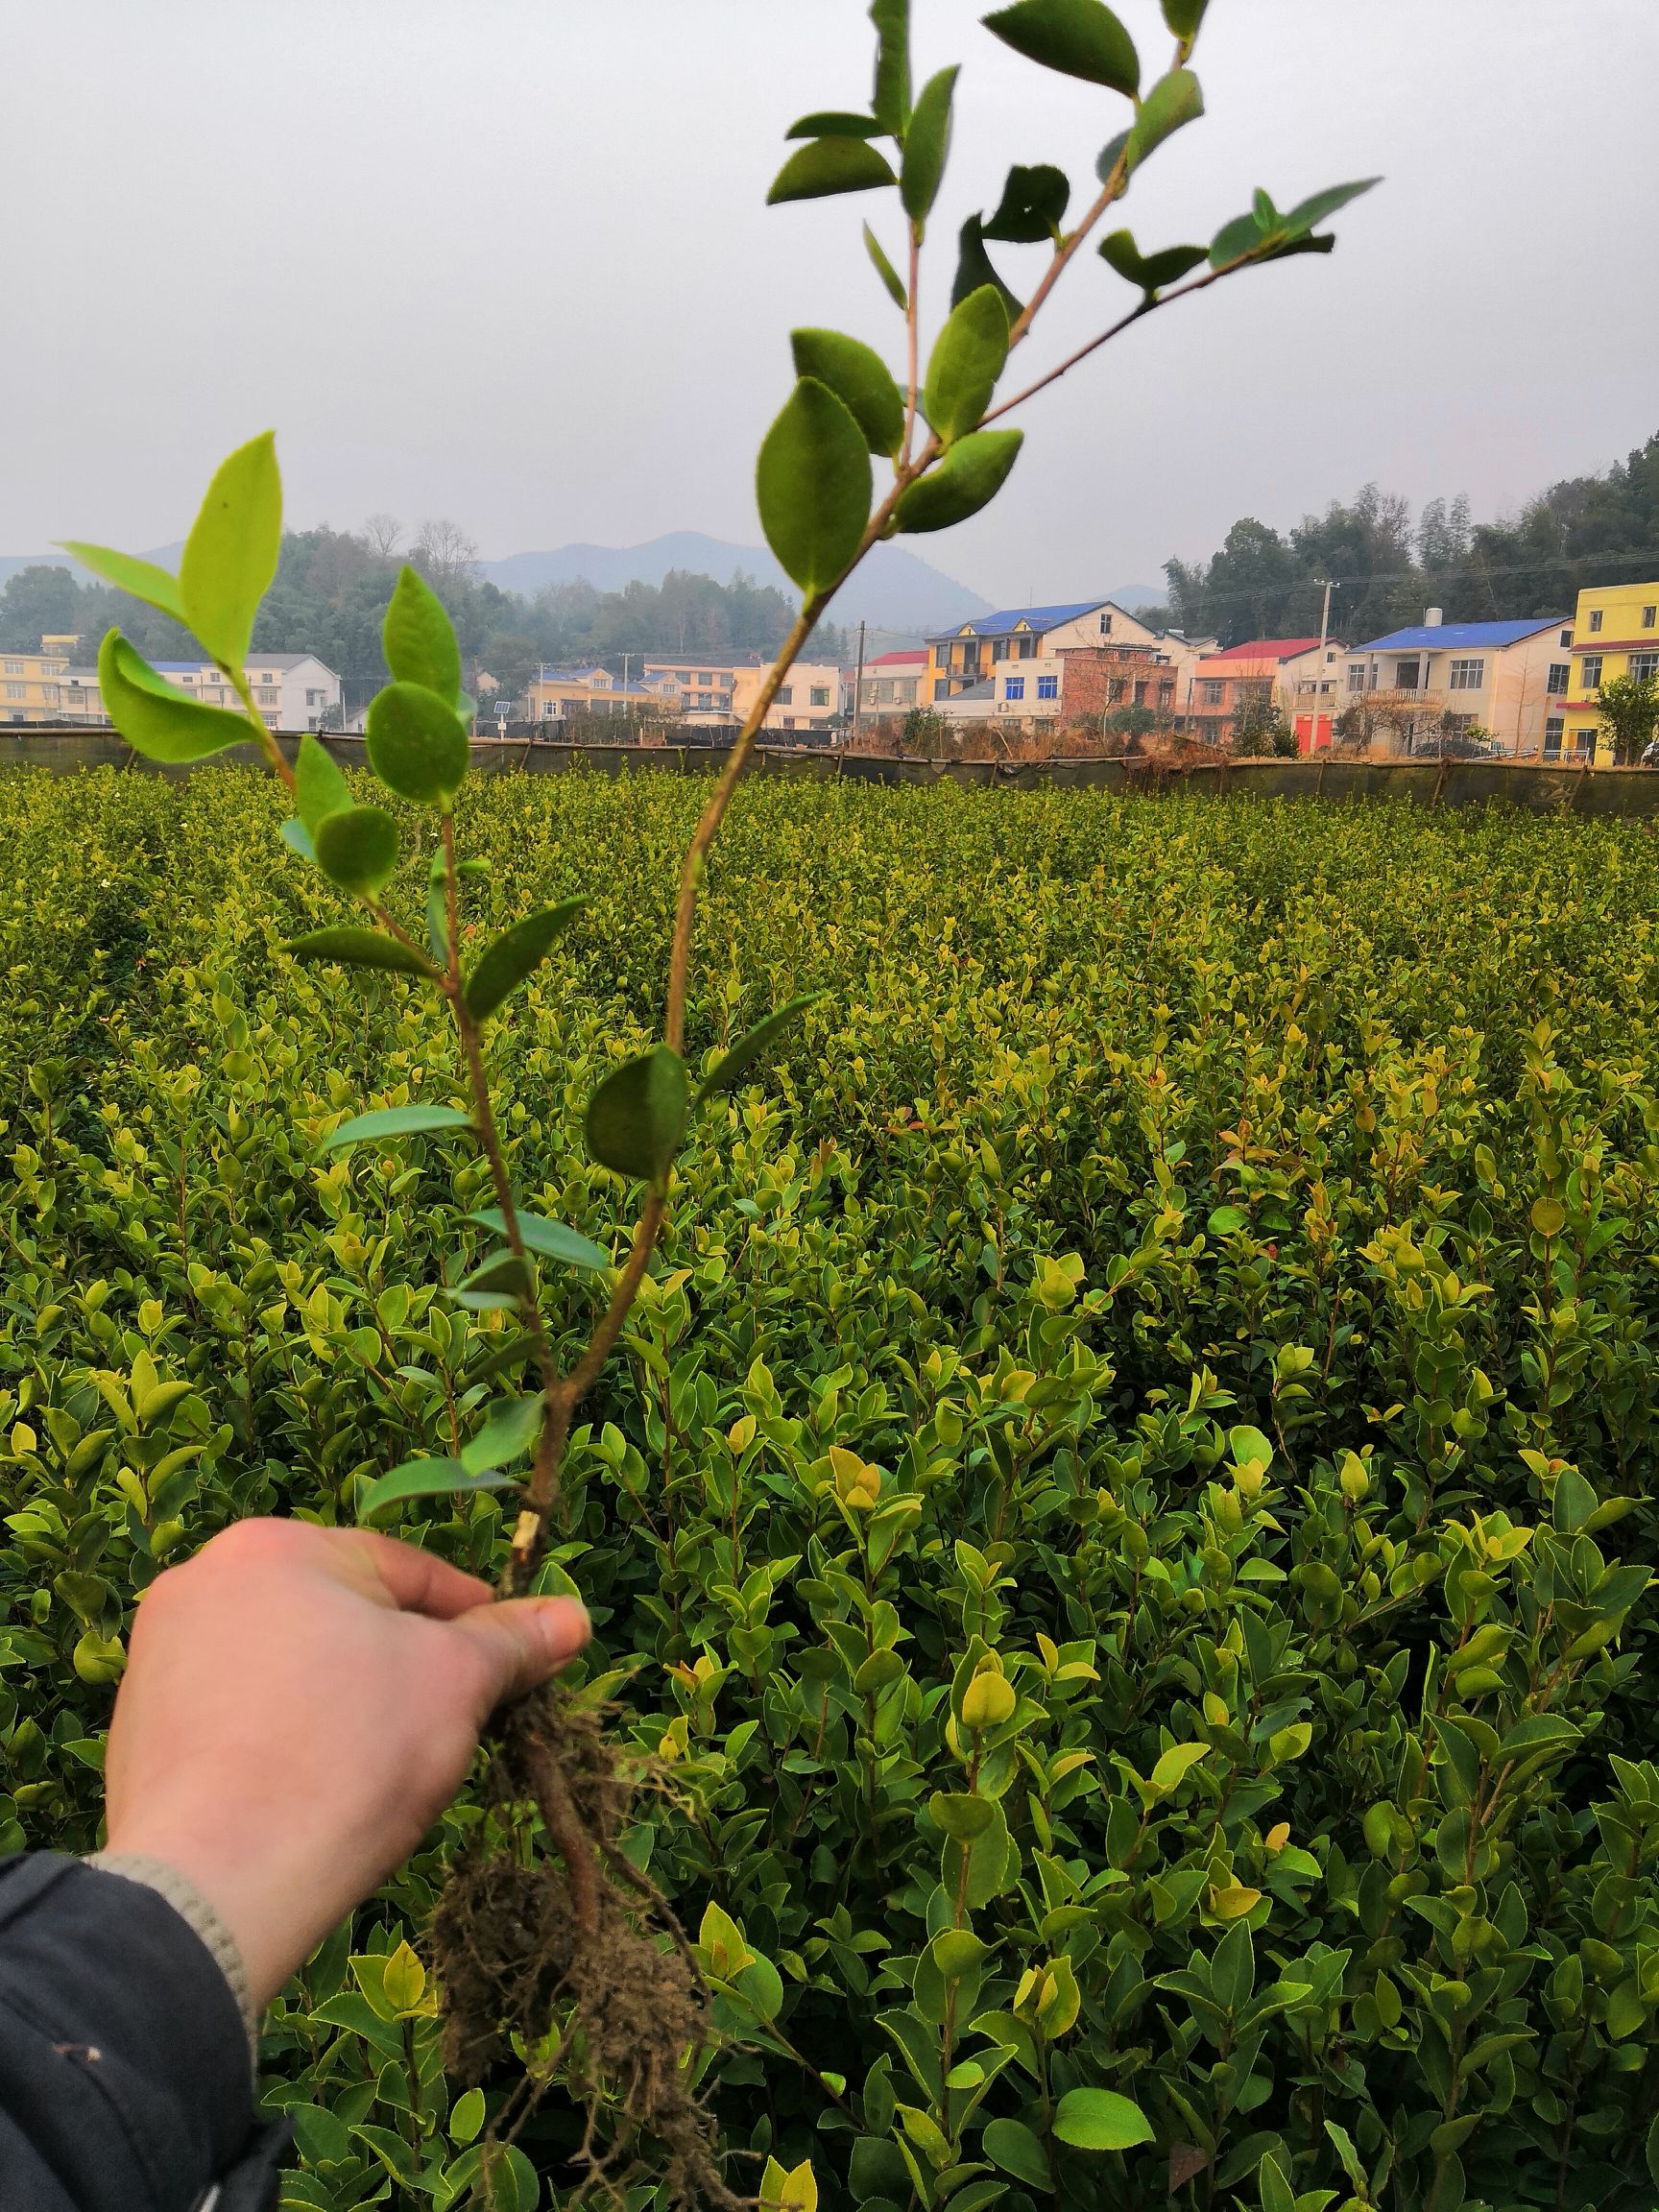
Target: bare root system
579,1952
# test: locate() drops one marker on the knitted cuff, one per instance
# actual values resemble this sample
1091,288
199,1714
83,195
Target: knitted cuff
194,1910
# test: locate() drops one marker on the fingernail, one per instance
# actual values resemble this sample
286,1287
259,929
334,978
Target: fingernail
566,1623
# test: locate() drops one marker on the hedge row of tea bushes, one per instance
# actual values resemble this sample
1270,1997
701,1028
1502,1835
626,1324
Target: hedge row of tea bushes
1125,1509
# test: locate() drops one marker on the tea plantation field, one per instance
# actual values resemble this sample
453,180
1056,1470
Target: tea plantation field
1125,1509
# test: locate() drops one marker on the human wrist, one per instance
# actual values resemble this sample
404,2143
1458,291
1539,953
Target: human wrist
202,1916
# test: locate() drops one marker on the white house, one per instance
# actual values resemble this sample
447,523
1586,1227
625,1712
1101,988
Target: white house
1502,677
291,691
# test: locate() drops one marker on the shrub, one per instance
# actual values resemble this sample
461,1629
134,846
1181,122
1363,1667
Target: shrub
1123,1512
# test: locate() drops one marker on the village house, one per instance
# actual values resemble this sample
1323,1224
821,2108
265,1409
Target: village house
1297,676
1506,679
1615,633
291,691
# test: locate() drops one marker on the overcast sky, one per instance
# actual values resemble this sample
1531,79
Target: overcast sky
508,260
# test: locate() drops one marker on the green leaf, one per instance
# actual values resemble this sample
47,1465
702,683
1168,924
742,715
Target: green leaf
231,552
298,839
419,638
827,166
356,947
1310,212
142,579
885,269
966,359
417,745
428,1479
835,123
551,1239
394,1121
155,716
1233,1968
515,956
1080,37
510,1429
748,1049
1011,2145
859,378
1151,271
1274,2187
635,1116
1234,241
1172,103
1032,207
1174,1763
357,849
1184,17
967,478
319,787
974,268
1111,154
814,486
1101,2119
1573,1500
927,146
889,102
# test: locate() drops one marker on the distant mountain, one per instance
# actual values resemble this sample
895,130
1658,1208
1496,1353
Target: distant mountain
892,592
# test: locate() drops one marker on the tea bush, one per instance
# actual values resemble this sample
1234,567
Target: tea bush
1130,1469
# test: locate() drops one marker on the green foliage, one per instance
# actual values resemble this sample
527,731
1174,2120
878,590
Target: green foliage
969,478
637,1113
515,956
1629,715
966,359
419,638
417,745
356,847
1080,37
1173,102
1150,271
155,716
927,146
813,484
827,166
859,378
1032,207
1156,1262
231,555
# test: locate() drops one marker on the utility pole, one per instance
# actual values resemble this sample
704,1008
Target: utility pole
1319,675
859,686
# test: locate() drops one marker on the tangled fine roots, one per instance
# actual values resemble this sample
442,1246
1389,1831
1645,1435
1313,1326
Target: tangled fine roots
516,1940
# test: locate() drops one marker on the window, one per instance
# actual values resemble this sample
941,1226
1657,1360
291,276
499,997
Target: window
1117,688
1105,625
266,698
1014,688
1357,677
1644,667
1139,695
819,695
16,690
1408,674
1047,686
49,692
186,679
1467,675
1559,680
1647,615
1211,692
1552,728
1595,624
1592,671
1566,641
14,668
998,648
1165,694
786,698
705,676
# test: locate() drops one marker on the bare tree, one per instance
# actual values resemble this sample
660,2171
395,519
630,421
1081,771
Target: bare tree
383,535
443,553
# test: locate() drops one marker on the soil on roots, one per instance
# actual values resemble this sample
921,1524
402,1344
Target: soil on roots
584,1941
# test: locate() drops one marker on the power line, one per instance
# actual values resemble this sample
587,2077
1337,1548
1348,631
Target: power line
1430,576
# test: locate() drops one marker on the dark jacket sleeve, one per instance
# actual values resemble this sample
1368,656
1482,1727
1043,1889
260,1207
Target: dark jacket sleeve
124,2082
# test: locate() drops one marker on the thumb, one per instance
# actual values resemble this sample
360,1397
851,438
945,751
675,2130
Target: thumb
523,1640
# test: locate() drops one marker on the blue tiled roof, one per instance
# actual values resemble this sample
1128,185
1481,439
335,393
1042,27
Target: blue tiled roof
1010,619
1454,636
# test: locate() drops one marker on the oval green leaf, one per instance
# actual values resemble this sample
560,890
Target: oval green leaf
1078,37
394,1121
357,849
419,638
1150,271
511,1427
1173,102
859,378
319,787
231,552
927,146
967,478
1033,205
356,948
552,1240
298,839
1011,2145
1101,2119
155,716
835,123
142,579
1303,218
974,268
891,101
515,955
885,269
966,359
813,484
416,746
1184,16
827,166
748,1050
635,1116
428,1479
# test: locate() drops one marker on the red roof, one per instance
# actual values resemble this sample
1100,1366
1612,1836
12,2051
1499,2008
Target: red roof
897,661
1268,649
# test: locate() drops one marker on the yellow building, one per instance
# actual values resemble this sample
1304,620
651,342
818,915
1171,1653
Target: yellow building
1615,633
31,685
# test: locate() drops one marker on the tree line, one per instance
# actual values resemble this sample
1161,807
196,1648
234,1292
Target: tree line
1389,564
332,587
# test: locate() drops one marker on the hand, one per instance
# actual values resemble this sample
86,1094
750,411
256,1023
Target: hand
299,1705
